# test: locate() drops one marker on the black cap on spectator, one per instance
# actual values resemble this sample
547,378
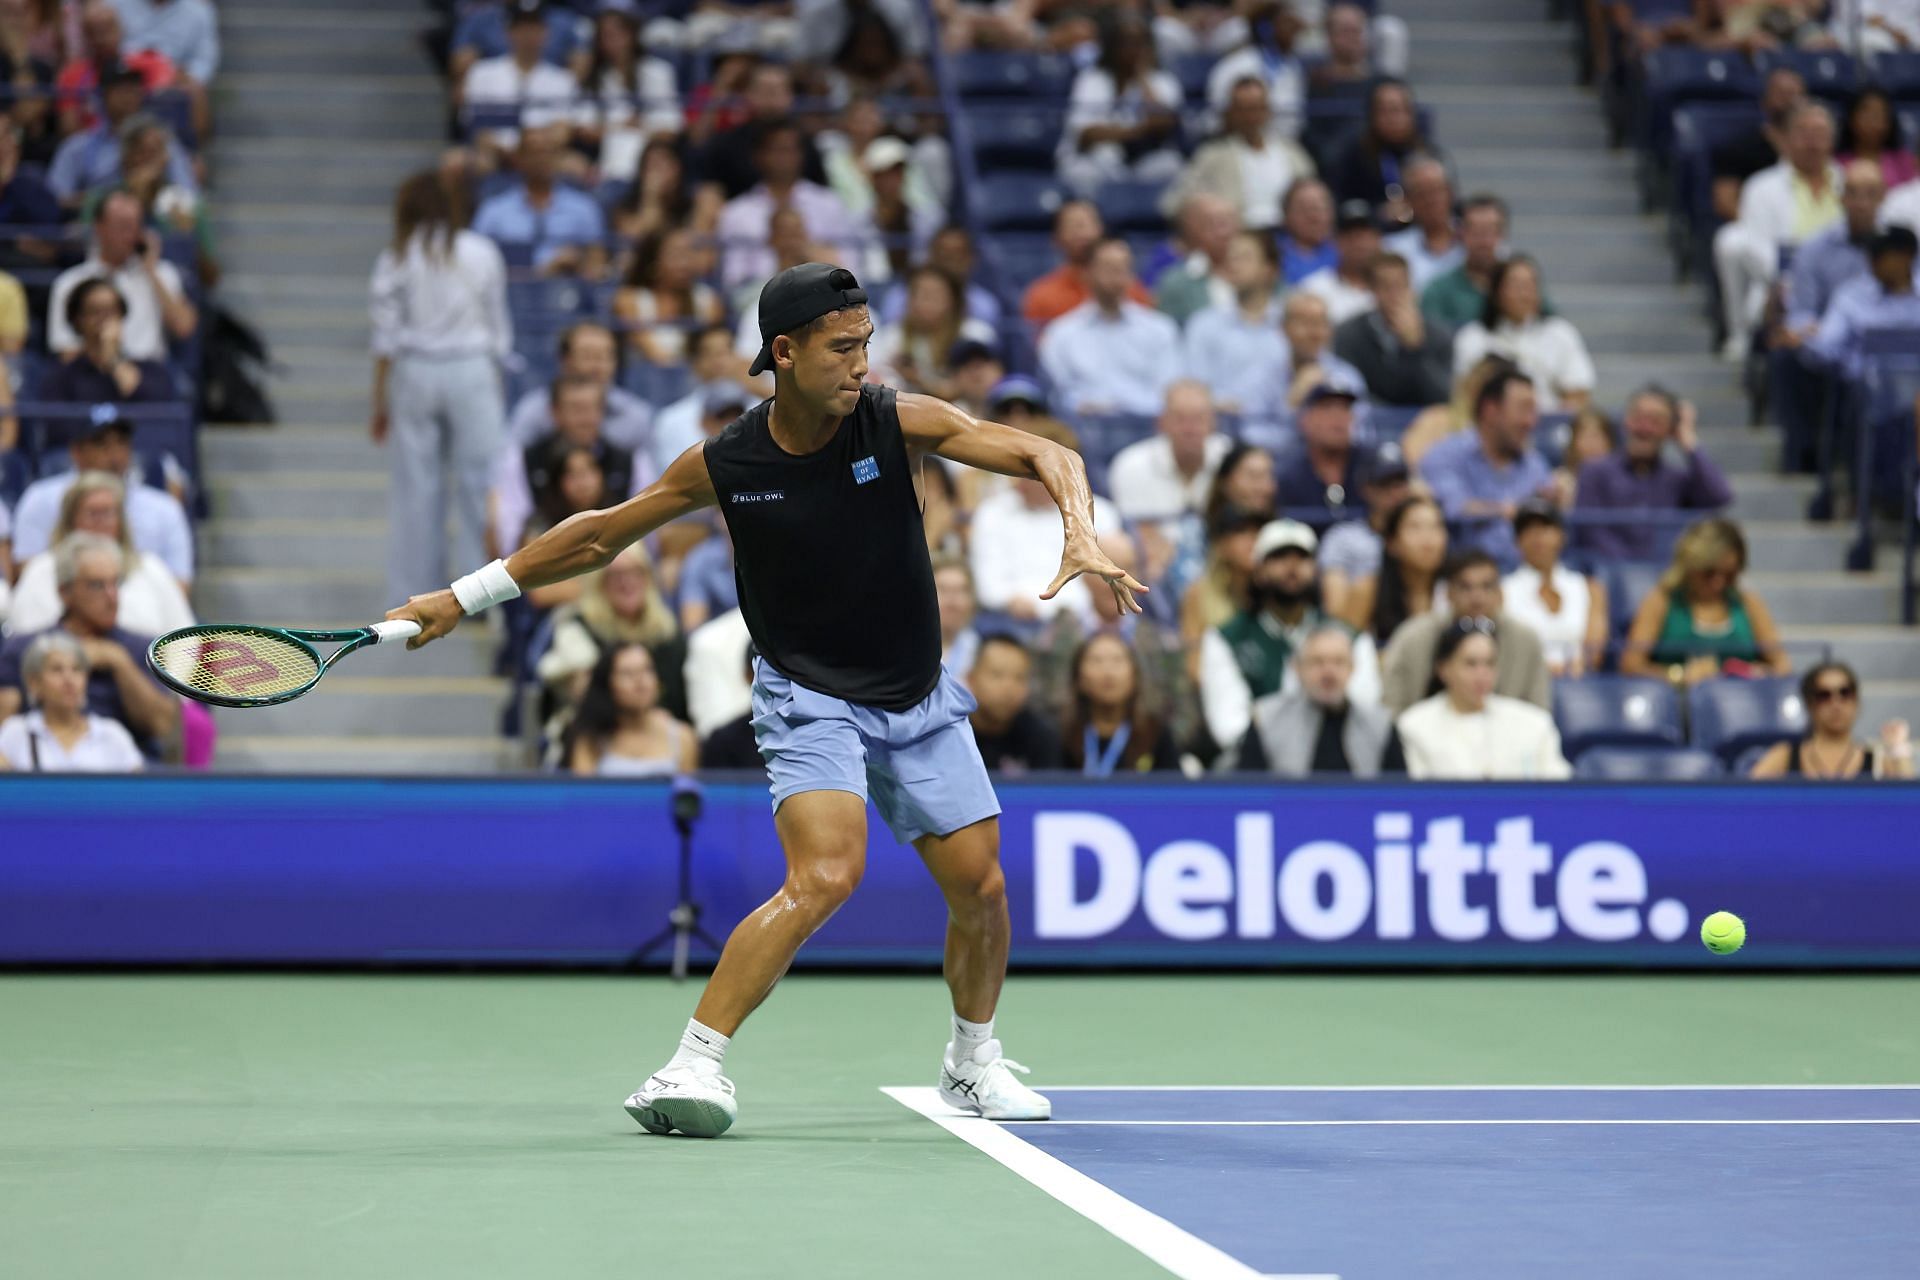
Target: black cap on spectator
101,420
1386,465
800,295
967,350
1893,240
118,72
526,11
1355,214
1327,391
1537,511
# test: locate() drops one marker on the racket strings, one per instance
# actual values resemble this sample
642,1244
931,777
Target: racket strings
241,663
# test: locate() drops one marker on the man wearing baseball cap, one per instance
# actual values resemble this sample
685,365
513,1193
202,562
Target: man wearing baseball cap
1248,656
819,487
103,441
1343,286
1325,470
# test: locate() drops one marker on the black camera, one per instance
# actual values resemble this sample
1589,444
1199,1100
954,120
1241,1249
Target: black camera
687,802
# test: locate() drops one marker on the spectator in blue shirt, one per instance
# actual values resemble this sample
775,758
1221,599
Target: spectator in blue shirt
1884,301
1835,256
1306,230
707,585
1481,477
25,201
91,158
183,30
564,227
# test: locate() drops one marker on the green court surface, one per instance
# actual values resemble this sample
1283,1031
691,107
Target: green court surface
372,1126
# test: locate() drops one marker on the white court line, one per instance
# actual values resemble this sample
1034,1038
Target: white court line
1184,1254
1328,1124
1468,1088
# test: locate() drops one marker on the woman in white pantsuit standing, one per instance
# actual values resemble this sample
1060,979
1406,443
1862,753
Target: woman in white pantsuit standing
440,331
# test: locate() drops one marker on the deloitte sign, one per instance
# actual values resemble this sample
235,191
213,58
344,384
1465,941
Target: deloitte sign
1447,879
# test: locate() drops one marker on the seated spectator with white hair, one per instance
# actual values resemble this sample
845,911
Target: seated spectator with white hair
1110,354
521,78
88,569
1123,114
1248,656
155,519
151,601
1467,731
1343,286
1432,244
1780,207
1199,279
59,734
1168,475
1313,726
587,351
1247,166
1515,326
127,257
1017,534
1013,737
1407,360
1235,349
562,228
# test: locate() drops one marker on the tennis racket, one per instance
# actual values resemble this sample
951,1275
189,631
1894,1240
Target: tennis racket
233,665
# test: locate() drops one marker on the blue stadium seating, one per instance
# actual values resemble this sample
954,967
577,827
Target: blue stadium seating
1899,75
1646,764
1676,75
1730,716
1627,585
1017,201
1022,256
1132,206
1016,139
1829,73
1616,711
1003,74
1192,71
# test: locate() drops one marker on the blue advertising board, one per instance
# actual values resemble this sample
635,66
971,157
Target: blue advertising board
1147,874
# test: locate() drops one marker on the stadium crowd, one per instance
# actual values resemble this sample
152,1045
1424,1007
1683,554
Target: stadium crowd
1328,406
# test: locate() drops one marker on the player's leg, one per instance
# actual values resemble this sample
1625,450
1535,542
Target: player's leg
966,866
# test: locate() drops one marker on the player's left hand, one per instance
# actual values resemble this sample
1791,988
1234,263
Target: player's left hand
1085,557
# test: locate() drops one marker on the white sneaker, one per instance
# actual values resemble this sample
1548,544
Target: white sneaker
698,1103
984,1085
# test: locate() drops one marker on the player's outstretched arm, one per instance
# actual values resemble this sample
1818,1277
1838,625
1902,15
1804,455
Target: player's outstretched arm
579,544
934,426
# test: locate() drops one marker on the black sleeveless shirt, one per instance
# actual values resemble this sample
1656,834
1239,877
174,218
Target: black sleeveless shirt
830,555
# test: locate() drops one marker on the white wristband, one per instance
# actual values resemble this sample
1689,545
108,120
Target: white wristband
485,588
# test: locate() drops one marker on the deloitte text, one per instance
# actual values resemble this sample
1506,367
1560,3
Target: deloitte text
1091,876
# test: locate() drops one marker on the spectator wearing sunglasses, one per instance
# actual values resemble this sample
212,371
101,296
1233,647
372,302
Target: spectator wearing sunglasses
1829,751
1698,622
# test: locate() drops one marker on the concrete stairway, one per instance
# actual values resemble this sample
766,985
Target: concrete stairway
323,108
1499,78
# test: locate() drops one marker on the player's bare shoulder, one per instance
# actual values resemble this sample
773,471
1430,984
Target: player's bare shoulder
927,422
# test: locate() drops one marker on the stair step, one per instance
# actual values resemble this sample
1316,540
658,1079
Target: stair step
375,20
1876,653
386,707
1759,496
1789,546
328,597
285,449
359,755
292,544
1843,598
313,495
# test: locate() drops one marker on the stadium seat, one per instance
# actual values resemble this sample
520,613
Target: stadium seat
1616,711
1676,75
1829,73
1627,585
1010,75
1646,764
1899,75
1552,434
1132,206
1731,716
1192,71
1017,201
1022,139
1022,256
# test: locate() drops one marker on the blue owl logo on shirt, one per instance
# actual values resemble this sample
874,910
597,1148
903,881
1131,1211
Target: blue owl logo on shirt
864,470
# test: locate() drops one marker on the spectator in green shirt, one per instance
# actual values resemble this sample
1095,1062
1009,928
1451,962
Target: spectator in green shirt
1460,295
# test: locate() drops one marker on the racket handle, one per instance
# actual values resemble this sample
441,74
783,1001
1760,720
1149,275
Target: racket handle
398,629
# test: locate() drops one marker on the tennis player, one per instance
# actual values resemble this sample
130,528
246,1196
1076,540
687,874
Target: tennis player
820,487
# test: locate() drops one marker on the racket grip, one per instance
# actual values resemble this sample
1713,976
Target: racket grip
398,629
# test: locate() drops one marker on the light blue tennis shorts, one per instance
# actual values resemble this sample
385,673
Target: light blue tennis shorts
920,767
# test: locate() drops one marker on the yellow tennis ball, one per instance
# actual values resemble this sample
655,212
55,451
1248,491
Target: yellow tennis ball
1723,932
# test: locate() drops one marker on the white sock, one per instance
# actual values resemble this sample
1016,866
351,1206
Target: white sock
701,1047
968,1036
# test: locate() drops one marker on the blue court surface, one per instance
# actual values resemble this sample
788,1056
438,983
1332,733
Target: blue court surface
1469,1183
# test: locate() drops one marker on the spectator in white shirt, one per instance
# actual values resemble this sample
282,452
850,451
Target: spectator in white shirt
1016,543
1467,731
151,602
1780,207
1123,118
1247,165
155,517
545,94
1865,27
744,228
1432,245
1567,609
1168,475
1273,29
128,257
1343,286
1109,354
60,735
586,351
1235,349
631,96
440,329
1547,349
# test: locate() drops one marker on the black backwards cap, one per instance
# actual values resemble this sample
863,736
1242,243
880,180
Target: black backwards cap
800,295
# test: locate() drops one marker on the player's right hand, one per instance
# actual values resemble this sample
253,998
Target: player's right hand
437,613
